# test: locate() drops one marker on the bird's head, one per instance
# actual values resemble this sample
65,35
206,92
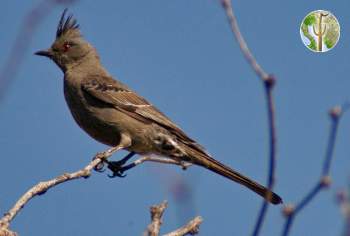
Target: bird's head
69,47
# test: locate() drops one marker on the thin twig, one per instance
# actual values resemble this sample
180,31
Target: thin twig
269,82
42,188
156,219
290,210
153,229
242,44
272,159
191,228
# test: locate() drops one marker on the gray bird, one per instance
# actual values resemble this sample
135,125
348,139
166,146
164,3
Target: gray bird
115,115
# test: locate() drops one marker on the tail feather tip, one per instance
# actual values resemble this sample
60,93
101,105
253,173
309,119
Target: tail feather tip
275,199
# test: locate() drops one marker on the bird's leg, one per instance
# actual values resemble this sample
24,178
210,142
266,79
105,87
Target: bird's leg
120,168
117,167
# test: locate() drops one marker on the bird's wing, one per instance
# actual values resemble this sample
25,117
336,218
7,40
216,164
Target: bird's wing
125,100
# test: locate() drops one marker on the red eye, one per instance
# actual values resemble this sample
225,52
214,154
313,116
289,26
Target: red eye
66,46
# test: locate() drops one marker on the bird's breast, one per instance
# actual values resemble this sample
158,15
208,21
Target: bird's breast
98,120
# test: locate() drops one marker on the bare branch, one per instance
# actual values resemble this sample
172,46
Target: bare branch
269,82
7,232
156,216
153,229
191,228
290,211
239,37
42,187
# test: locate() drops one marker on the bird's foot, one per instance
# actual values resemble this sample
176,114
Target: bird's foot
103,157
117,167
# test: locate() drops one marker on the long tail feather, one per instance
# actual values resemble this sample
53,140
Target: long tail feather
223,170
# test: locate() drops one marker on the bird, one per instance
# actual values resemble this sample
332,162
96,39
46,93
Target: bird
113,114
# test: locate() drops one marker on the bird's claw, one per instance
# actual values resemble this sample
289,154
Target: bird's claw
117,174
117,169
100,167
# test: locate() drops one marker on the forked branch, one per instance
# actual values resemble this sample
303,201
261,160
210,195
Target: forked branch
153,229
290,210
43,187
268,82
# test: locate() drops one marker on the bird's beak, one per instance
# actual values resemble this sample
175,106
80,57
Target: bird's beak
45,53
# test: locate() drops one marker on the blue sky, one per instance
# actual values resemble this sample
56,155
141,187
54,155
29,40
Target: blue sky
182,57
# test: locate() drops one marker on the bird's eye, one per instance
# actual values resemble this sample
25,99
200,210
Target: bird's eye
66,46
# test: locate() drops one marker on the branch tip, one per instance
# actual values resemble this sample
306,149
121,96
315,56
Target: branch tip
225,3
335,112
157,210
326,181
270,81
288,210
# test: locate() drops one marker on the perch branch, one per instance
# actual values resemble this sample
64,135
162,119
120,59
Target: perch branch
290,210
42,188
269,82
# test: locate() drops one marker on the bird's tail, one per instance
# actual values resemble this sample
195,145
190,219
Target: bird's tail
223,170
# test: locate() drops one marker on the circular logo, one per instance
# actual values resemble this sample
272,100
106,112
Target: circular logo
320,31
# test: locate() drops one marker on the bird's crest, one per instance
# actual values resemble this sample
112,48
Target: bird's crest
68,24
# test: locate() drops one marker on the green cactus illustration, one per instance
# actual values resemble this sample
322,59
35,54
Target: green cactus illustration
320,32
